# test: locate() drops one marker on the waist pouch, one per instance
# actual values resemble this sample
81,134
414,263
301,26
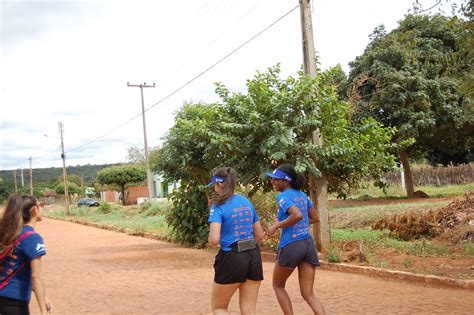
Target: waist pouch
243,246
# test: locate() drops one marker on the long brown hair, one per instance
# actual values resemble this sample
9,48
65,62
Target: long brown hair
229,184
16,214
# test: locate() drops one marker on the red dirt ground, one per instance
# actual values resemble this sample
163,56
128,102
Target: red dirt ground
93,271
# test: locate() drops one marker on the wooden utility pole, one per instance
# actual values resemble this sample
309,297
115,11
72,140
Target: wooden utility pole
31,175
318,186
22,179
14,179
63,157
147,161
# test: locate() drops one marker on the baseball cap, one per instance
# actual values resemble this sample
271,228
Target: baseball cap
279,174
216,179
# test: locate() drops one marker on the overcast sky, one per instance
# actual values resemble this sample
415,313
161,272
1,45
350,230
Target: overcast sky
70,61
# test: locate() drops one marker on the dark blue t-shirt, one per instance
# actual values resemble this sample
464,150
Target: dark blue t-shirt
31,247
236,216
300,230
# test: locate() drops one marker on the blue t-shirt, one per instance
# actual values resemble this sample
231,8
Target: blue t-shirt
300,230
31,247
237,216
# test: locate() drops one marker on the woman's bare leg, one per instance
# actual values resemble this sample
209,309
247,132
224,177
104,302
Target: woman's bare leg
306,273
221,295
248,294
280,275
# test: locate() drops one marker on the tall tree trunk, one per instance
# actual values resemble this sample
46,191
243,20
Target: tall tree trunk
407,174
123,195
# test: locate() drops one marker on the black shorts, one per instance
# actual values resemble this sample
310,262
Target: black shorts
231,267
13,307
292,254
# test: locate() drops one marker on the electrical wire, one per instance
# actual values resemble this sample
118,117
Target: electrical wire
189,81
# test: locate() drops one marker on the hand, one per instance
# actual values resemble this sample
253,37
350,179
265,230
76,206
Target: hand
271,230
49,307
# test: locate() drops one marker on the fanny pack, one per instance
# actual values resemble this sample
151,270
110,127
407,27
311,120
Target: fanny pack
243,246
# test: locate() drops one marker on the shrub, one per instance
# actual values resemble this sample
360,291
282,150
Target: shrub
104,208
154,208
188,218
334,255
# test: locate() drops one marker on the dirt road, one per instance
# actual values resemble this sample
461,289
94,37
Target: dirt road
93,271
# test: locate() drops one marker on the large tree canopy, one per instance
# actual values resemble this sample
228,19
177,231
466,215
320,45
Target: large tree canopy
407,79
121,176
262,128
269,125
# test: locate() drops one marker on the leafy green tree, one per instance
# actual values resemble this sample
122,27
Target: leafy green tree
269,125
121,176
406,79
72,188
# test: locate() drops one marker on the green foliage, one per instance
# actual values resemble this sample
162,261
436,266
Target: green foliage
104,207
188,220
408,79
407,262
334,255
72,188
154,208
121,176
269,125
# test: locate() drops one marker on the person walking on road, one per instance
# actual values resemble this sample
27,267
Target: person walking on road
296,249
21,249
235,227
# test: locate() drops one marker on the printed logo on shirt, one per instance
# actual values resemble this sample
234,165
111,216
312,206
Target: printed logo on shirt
40,247
281,202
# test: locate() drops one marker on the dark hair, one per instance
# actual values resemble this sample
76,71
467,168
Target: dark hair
229,184
16,214
298,180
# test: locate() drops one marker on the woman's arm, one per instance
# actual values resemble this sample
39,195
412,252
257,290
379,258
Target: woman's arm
214,234
38,285
312,216
294,217
258,231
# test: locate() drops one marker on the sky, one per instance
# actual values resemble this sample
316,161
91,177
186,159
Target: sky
69,61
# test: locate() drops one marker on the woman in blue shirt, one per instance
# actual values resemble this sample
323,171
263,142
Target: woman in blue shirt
21,250
296,249
235,226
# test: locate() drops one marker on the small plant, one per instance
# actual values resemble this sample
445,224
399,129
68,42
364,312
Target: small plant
334,255
104,208
407,262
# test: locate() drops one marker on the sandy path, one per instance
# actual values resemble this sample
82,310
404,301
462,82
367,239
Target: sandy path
93,271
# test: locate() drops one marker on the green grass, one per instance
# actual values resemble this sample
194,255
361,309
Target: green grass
137,223
374,239
396,192
393,206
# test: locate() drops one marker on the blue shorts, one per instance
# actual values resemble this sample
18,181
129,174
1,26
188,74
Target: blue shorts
292,254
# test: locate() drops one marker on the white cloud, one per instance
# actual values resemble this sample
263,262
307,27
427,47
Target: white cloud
70,61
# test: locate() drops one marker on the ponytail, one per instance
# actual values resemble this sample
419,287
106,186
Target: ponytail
298,180
16,214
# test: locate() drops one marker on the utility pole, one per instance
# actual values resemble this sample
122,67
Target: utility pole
22,178
63,157
31,175
14,179
318,186
147,161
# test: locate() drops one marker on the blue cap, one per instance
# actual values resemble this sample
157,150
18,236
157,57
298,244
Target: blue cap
278,174
216,179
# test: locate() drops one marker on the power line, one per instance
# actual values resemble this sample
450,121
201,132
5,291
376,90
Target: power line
191,80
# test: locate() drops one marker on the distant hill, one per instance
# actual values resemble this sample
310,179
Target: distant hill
52,173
